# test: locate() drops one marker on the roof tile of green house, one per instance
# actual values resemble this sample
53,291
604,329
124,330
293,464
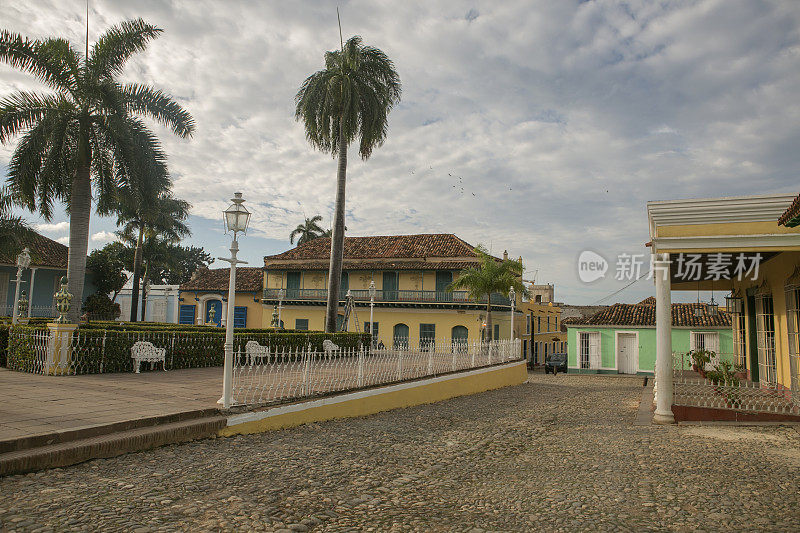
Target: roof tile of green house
44,252
248,279
683,315
791,217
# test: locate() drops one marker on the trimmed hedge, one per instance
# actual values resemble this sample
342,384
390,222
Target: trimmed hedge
97,351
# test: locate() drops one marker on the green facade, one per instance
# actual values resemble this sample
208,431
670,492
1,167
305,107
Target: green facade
647,345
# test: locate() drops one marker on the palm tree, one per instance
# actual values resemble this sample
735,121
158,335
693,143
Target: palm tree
349,99
87,133
308,230
14,231
491,277
147,213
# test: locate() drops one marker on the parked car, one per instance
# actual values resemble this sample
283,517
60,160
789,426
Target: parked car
555,363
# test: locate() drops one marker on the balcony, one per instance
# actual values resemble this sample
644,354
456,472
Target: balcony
394,296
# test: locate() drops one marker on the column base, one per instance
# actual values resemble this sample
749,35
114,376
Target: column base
663,418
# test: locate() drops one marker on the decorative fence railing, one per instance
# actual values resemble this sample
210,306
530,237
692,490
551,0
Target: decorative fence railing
398,296
36,311
720,391
262,376
70,351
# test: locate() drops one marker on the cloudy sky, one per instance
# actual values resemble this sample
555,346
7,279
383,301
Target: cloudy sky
559,119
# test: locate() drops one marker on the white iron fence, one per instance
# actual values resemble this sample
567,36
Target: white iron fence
262,376
735,391
40,351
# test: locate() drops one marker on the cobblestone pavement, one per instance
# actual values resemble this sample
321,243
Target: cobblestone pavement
558,453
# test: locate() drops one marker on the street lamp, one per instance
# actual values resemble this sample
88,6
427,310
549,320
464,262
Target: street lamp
236,218
512,295
281,296
372,292
23,262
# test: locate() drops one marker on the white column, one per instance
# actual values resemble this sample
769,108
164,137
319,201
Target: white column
224,319
15,311
30,295
663,370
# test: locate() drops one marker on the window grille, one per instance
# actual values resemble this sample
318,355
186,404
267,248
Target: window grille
765,330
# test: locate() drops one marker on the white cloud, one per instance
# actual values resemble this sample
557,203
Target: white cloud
558,119
58,227
102,237
63,240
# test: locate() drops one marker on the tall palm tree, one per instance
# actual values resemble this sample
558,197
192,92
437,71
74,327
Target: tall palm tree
491,277
349,99
86,133
146,213
308,230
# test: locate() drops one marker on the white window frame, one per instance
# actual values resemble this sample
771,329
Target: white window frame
599,353
767,358
793,333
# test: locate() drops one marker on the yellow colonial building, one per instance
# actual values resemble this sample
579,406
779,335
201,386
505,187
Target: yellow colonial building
541,331
411,274
748,247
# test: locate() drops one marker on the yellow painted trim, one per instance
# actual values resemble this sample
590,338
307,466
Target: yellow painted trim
458,385
724,228
729,250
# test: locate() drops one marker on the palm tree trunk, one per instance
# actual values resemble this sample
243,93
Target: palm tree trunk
337,239
137,272
80,208
144,294
489,319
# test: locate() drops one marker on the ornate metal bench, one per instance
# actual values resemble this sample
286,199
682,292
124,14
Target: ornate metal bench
254,351
329,346
145,351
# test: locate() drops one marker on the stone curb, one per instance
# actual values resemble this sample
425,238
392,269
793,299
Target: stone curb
108,445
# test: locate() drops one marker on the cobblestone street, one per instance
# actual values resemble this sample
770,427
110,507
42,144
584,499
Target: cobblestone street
557,453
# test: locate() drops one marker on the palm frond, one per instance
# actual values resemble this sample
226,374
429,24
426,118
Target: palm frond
109,54
22,110
53,62
145,100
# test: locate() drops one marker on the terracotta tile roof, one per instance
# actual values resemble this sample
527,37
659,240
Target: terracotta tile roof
373,265
248,279
791,217
383,247
650,300
44,252
645,315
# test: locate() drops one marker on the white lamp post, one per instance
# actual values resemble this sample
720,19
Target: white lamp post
236,219
512,295
281,296
23,262
372,293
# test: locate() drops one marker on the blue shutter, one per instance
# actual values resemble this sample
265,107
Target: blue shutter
240,317
186,315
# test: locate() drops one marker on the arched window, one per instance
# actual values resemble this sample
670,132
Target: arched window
400,333
460,336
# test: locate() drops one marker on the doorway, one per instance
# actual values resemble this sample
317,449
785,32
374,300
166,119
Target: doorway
627,353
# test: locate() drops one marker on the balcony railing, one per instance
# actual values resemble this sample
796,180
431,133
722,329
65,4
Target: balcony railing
399,296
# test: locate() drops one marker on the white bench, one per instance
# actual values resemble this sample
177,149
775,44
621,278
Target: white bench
254,351
329,346
145,351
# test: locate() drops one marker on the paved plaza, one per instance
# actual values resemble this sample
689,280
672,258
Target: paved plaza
37,405
558,453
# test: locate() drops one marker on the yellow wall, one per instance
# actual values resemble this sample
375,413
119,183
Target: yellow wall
726,228
545,335
412,280
776,271
444,319
381,399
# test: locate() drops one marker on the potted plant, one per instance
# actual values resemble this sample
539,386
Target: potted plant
740,371
700,358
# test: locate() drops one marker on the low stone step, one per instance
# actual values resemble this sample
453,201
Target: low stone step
67,435
108,445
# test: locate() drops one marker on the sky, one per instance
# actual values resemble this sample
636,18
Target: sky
559,120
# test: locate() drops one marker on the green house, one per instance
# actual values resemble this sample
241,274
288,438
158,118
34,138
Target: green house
621,339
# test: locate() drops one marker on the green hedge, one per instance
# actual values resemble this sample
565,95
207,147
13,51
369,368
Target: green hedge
98,351
4,329
21,353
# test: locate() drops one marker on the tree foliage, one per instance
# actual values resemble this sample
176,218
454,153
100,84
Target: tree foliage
308,230
107,265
